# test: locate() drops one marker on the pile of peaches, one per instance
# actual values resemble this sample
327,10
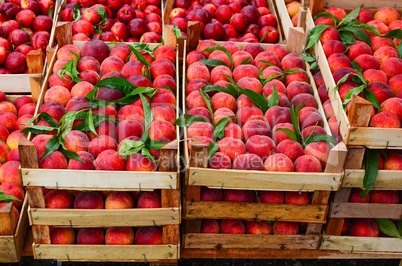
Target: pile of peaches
12,116
24,26
84,89
110,200
223,20
277,128
115,20
373,64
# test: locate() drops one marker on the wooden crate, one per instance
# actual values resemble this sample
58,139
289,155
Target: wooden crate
341,209
166,179
12,243
317,6
354,126
314,214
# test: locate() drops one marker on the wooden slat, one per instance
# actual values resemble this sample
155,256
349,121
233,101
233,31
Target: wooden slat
284,17
260,180
363,3
104,218
386,179
131,253
8,223
357,244
98,180
296,40
234,210
248,241
366,210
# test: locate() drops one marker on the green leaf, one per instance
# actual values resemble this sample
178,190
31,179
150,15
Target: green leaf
357,67
322,137
328,15
370,170
154,144
176,31
207,101
315,35
102,13
145,151
212,62
139,56
400,50
7,198
399,225
245,61
213,147
314,66
397,33
256,98
308,58
350,93
52,145
147,115
341,81
120,84
229,90
130,147
275,76
34,129
289,133
220,127
347,38
186,120
371,98
67,122
45,116
274,100
71,154
358,33
294,115
223,49
350,17
388,227
91,124
363,26
77,12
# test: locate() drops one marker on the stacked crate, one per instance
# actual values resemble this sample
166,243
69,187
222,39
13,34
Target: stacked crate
201,245
355,131
43,219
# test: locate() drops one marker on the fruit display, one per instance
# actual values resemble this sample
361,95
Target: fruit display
250,114
14,112
25,26
106,110
366,66
240,21
114,21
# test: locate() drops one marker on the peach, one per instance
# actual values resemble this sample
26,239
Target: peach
392,66
285,228
139,81
242,57
393,105
333,46
297,87
250,83
387,15
255,127
119,200
211,194
277,135
194,56
164,113
379,25
87,164
195,85
89,200
162,129
149,199
68,51
91,236
101,143
231,46
62,236
55,109
298,75
6,106
221,56
395,84
307,163
95,48
3,133
55,160
290,148
297,198
262,58
329,33
59,199
258,228
385,119
307,119
28,108
244,101
357,49
13,155
104,128
385,52
378,42
238,195
337,61
278,162
248,161
364,15
200,111
149,235
374,75
8,120
222,113
197,70
381,91
15,190
232,226
261,145
131,112
82,88
165,81
200,129
275,197
291,61
195,99
393,161
283,100
40,142
109,160
134,68
219,161
210,227
366,61
363,227
221,99
231,147
277,114
355,196
279,50
269,87
21,122
241,71
10,173
76,140
119,236
384,196
339,13
139,162
320,150
233,130
88,63
343,71
14,138
126,128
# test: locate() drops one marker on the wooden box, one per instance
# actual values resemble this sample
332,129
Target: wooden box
220,245
166,179
340,209
11,245
354,125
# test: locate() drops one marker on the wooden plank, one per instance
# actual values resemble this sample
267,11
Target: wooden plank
17,83
386,179
283,15
316,6
120,253
363,3
248,241
280,254
260,180
234,210
78,218
8,223
356,244
98,180
360,112
366,210
296,40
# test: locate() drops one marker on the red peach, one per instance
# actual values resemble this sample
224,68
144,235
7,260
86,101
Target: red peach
278,162
109,160
261,145
231,147
307,163
59,199
219,161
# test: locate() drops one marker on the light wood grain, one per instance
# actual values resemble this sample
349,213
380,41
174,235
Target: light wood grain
246,241
358,244
386,179
284,17
365,210
118,253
